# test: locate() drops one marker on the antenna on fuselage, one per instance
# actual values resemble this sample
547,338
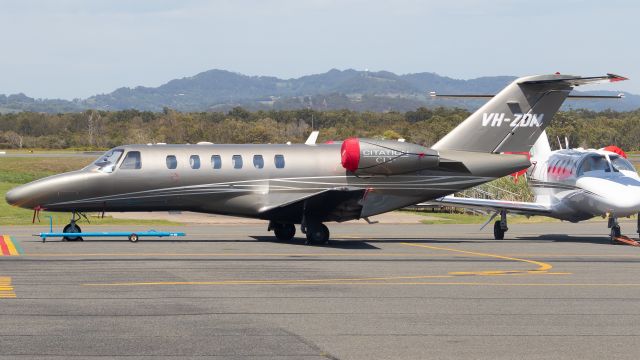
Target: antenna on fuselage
313,137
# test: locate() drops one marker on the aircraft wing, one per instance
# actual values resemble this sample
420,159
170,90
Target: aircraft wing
518,207
339,204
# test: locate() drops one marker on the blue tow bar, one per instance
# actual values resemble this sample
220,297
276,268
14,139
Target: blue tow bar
132,235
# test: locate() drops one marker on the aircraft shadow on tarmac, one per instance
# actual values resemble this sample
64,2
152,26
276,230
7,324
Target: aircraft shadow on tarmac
564,238
369,244
334,244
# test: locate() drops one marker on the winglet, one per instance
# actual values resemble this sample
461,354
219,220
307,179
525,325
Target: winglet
311,140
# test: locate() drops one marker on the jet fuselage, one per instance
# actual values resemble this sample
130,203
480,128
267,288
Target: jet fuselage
258,181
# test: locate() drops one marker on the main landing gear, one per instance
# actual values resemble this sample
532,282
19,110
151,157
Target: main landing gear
72,227
283,232
316,232
500,227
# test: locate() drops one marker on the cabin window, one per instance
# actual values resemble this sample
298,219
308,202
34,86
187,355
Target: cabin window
172,162
258,161
216,161
194,162
131,161
279,161
620,163
236,160
107,161
593,163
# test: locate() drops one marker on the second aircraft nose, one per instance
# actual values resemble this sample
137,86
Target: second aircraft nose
618,196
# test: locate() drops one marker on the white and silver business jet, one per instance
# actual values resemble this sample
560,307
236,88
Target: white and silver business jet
572,185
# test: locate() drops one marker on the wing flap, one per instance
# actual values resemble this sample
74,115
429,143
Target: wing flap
327,205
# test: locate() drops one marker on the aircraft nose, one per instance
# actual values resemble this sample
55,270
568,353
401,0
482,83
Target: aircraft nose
21,196
619,196
627,202
12,197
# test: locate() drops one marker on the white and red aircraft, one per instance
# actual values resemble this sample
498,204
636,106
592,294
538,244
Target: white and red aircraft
572,185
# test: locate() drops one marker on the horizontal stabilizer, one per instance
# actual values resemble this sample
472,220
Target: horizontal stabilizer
577,80
433,94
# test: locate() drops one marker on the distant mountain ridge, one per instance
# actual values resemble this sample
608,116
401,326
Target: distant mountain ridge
221,90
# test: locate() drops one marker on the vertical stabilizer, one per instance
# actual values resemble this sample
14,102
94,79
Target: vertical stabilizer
513,119
541,150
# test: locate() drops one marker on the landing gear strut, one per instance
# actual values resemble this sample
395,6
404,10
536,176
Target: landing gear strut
283,232
615,228
72,227
500,227
616,235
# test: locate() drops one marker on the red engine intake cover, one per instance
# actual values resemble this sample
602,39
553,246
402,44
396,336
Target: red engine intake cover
350,154
616,150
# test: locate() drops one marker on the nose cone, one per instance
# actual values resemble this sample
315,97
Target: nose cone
12,196
619,195
24,196
50,190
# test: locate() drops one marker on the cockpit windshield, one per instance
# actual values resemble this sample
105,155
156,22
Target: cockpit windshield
594,162
107,162
620,163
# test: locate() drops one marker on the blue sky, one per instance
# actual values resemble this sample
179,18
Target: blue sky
78,48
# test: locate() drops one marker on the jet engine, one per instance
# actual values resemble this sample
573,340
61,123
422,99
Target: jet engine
386,157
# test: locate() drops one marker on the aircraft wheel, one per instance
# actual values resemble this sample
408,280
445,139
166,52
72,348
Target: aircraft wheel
615,232
133,238
498,233
285,232
318,234
72,228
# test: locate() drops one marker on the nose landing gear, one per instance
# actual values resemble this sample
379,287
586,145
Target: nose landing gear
72,227
616,235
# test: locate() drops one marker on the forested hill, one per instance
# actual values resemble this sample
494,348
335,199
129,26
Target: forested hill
220,90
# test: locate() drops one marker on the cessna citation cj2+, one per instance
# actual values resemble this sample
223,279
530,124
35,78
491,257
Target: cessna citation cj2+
572,185
311,184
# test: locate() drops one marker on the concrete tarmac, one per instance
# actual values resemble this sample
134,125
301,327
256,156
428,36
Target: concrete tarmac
548,291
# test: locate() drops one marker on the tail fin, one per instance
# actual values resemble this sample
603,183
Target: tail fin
541,149
514,118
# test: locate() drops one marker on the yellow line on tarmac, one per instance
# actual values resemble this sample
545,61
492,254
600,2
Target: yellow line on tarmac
542,267
6,290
